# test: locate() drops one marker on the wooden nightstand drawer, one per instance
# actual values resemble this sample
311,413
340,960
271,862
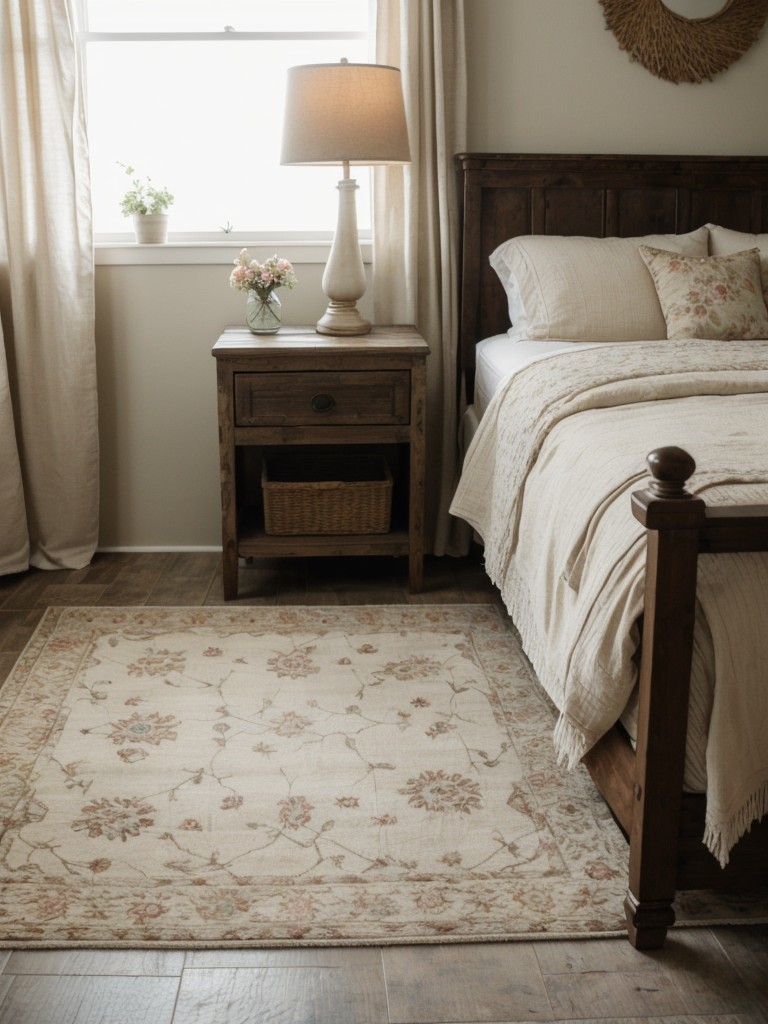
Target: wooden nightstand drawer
303,398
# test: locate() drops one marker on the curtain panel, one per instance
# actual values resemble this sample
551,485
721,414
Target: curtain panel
416,227
48,412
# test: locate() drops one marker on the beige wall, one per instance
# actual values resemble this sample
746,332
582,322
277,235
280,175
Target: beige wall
544,76
155,327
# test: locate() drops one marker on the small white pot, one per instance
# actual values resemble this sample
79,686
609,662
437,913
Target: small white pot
151,228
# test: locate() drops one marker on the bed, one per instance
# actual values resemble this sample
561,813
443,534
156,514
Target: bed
590,378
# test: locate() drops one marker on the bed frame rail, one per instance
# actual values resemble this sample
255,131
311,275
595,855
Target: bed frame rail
645,788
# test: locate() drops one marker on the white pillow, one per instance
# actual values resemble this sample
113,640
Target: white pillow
724,241
576,288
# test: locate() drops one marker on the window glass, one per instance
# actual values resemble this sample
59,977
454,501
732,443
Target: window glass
202,117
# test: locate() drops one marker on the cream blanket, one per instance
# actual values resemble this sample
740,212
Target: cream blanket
547,484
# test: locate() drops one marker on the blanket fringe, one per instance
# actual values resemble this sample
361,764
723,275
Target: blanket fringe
721,836
569,744
570,741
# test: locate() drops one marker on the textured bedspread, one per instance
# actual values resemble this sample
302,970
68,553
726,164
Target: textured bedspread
547,484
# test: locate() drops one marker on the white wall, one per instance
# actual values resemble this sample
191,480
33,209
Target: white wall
544,76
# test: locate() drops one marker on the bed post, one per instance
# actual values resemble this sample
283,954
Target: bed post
672,517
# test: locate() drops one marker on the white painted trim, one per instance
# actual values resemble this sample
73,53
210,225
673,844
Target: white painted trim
224,37
140,549
130,253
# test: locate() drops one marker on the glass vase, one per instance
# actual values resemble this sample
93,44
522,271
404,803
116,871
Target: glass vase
263,313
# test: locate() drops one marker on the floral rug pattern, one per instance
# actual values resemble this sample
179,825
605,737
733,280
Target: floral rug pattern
272,776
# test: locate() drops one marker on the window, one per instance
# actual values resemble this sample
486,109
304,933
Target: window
190,93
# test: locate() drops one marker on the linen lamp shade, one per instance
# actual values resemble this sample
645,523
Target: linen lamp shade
344,113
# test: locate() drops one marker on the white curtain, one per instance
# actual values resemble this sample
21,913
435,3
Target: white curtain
416,225
48,415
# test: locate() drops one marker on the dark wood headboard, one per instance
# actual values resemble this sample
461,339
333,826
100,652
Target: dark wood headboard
504,195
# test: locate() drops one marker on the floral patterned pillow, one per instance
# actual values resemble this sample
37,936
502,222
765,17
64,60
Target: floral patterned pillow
715,297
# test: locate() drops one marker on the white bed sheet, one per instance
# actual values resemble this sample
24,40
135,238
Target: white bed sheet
499,356
496,358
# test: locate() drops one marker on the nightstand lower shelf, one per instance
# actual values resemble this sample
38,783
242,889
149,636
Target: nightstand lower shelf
264,546
254,542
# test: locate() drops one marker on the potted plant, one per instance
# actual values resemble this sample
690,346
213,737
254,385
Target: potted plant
148,205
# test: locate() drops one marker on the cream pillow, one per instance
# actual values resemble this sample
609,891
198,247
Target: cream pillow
724,241
576,288
715,297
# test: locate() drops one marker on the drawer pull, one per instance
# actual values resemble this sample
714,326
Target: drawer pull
322,403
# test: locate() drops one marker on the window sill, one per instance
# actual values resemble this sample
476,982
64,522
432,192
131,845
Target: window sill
127,253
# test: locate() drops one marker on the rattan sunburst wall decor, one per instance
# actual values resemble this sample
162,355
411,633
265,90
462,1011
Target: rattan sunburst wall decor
681,49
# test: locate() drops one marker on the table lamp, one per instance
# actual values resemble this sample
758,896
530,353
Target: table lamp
346,114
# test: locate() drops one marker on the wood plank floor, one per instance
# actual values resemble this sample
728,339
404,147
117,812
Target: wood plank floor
717,975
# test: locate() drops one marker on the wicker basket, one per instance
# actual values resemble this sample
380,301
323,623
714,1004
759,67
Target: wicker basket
326,494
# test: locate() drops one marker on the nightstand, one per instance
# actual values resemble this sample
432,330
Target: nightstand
320,394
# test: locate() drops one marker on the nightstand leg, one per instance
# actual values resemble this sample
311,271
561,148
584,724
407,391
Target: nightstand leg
229,573
416,480
415,573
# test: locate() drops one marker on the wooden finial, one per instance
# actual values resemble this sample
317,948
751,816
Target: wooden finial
671,469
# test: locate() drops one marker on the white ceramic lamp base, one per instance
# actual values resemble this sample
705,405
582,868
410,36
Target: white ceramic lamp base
344,278
342,318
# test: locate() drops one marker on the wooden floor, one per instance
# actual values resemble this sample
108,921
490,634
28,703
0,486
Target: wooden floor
715,975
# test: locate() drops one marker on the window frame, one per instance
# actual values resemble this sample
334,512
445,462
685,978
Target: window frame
211,247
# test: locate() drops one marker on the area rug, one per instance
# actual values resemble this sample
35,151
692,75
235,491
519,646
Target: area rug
275,776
